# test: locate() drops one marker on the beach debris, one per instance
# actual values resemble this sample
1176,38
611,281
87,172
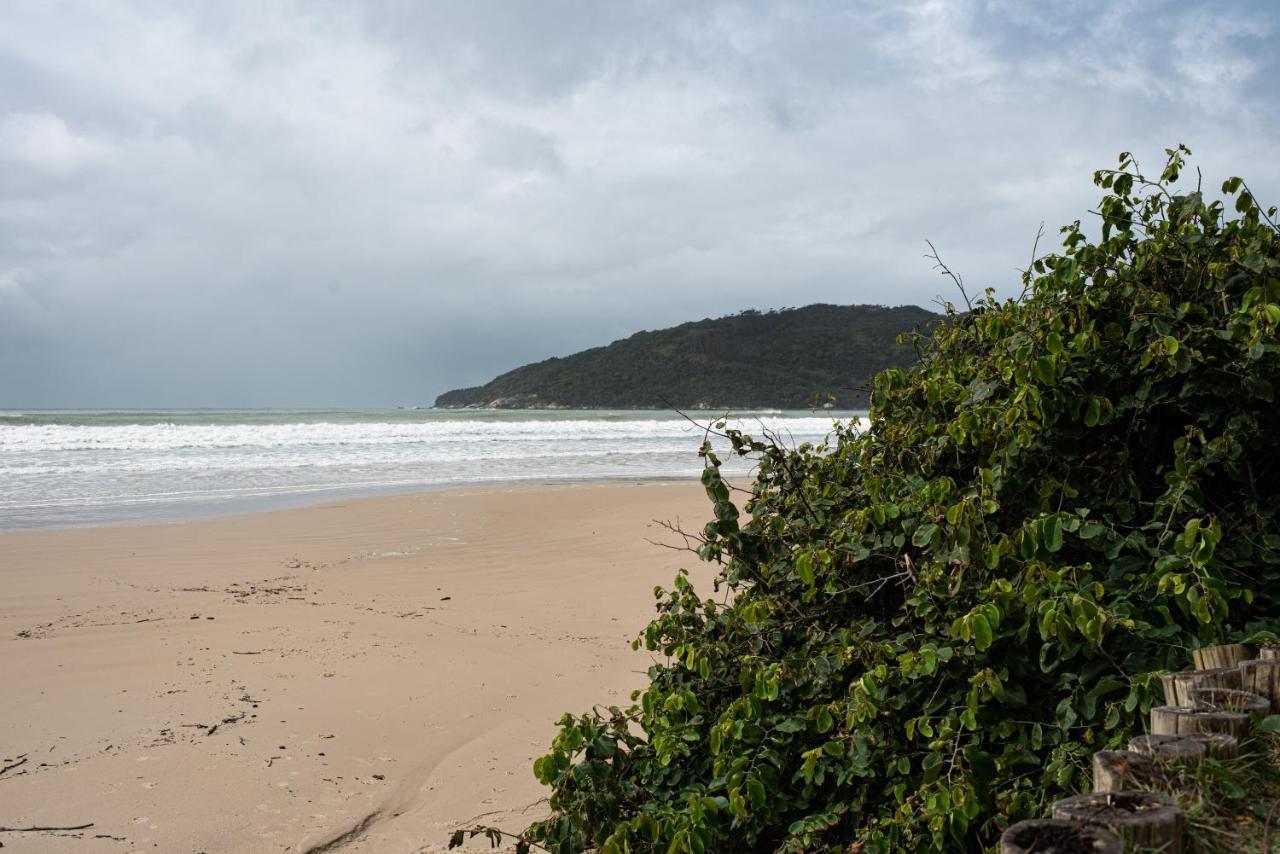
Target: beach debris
42,828
445,598
210,729
17,762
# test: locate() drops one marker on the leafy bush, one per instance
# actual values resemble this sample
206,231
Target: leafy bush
927,627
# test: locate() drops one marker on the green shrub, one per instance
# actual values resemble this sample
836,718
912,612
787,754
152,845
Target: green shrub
924,629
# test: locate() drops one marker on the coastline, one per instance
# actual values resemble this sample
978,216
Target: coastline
382,666
208,507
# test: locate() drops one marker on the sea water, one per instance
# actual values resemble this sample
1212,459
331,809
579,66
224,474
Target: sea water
93,467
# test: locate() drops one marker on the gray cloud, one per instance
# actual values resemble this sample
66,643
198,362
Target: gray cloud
330,204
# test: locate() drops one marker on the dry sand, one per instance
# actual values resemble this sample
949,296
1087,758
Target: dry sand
365,675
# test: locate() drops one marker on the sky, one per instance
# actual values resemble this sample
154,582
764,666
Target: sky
323,204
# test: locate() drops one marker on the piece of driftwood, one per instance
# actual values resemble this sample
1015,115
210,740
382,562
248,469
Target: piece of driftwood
1169,748
1144,820
1228,700
1262,677
1177,686
17,763
1046,835
1118,770
1226,655
1183,720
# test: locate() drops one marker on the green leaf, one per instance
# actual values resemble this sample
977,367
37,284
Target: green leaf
1260,388
982,635
928,661
1089,530
1045,370
804,567
824,722
755,793
924,534
1093,412
1053,533
1271,723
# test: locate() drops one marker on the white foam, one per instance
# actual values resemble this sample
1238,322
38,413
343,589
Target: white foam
49,469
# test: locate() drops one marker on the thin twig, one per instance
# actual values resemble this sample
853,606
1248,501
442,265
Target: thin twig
1266,829
946,271
41,829
1026,278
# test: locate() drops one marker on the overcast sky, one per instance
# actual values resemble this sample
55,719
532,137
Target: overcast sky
270,204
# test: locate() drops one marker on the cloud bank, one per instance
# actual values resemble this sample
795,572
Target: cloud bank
329,204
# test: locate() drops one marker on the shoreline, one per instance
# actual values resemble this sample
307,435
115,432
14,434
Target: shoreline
272,681
178,512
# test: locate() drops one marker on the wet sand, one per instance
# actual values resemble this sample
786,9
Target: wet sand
359,676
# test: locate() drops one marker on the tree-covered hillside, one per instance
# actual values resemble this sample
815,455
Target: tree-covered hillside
753,359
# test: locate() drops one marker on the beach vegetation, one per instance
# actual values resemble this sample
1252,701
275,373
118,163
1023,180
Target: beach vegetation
921,630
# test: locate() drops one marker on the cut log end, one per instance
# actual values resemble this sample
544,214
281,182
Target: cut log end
1188,748
1048,836
1217,745
1169,748
1228,700
1142,819
1118,770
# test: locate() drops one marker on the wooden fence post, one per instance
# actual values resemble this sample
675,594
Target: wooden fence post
1226,655
1180,720
1117,770
1225,699
1262,677
1046,834
1142,819
1177,686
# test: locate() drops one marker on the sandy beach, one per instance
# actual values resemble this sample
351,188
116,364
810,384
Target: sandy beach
357,676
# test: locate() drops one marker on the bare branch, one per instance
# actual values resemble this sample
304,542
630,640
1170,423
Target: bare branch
946,271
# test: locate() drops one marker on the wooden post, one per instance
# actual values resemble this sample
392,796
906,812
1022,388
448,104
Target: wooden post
1046,834
1144,820
1216,744
1169,748
1177,685
1225,699
1269,653
1181,720
1117,770
1262,677
1226,655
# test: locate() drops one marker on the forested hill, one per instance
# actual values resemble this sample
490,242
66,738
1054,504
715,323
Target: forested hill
776,359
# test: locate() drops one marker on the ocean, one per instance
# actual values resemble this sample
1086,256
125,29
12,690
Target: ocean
68,468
